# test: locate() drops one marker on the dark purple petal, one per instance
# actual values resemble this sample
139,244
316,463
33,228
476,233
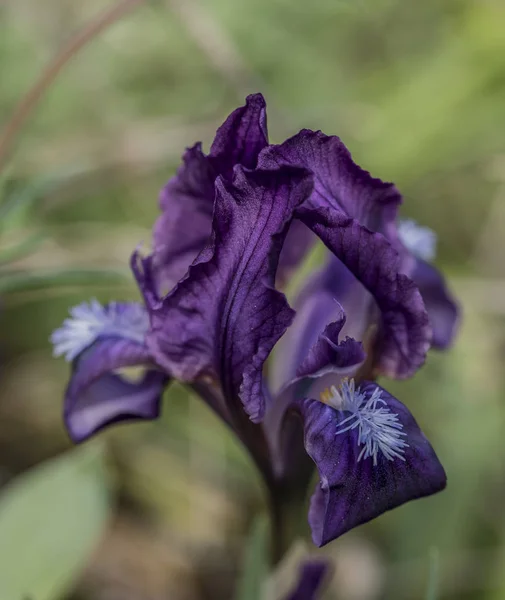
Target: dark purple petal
313,573
328,353
187,201
319,303
339,183
96,396
352,204
405,330
443,310
224,318
352,491
184,226
328,362
241,137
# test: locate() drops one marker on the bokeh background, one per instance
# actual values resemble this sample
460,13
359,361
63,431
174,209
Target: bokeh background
162,511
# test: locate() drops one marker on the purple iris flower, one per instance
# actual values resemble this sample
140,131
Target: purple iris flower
234,225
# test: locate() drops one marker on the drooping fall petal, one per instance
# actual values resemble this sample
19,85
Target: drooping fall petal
371,457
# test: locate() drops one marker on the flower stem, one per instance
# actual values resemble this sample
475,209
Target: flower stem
288,519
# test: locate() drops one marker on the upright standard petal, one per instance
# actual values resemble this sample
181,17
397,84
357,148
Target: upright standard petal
346,207
187,200
100,340
184,227
405,332
339,183
371,457
224,318
241,137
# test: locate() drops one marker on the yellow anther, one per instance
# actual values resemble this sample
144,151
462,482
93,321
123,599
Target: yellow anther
325,396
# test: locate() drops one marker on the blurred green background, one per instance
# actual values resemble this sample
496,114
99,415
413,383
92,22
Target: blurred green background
417,91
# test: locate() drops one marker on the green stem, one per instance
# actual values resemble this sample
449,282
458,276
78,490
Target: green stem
288,518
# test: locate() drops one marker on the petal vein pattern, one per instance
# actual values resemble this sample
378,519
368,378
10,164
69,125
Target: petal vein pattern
224,318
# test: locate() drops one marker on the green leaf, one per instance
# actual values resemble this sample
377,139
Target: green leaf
21,281
51,519
255,566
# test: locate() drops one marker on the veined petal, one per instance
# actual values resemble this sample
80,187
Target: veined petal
371,457
224,318
241,137
187,201
346,207
100,340
184,227
339,183
405,331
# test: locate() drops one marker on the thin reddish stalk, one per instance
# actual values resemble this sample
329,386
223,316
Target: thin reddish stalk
28,103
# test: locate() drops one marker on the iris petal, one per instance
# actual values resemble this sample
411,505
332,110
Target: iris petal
241,137
187,201
355,216
99,340
443,310
339,183
320,302
352,489
405,328
98,396
329,354
224,318
328,362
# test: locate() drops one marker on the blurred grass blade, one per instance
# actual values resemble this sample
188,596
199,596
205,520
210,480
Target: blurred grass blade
433,575
21,250
255,566
51,519
5,177
20,281
15,208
